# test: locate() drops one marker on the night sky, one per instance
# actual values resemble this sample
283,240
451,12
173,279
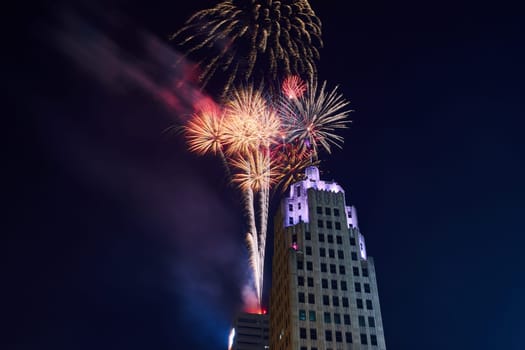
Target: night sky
118,238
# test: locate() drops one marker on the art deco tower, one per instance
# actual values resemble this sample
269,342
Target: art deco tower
324,292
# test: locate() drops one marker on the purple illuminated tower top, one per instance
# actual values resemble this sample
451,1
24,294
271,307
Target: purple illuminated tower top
324,293
298,201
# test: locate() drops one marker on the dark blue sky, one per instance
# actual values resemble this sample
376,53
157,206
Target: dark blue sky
118,238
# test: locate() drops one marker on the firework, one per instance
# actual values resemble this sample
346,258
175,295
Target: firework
290,162
293,87
313,118
205,132
256,38
249,122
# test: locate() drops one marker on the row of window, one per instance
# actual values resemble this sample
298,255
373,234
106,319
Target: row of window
290,206
331,253
333,283
338,336
301,296
320,224
327,211
346,319
319,210
329,238
337,318
333,268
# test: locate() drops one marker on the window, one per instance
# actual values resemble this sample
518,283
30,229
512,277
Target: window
304,348
361,320
346,318
337,318
348,337
328,224
319,210
338,336
371,322
301,297
363,339
339,240
328,335
343,285
323,267
367,288
322,252
328,211
308,236
326,300
359,303
334,284
324,283
330,239
313,333
331,253
298,190
319,223
309,266
311,316
310,282
302,315
302,332
357,286
336,212
342,269
355,271
340,254
337,225
308,250
352,241
299,205
327,318
345,302
290,207
333,268
300,280
300,265
369,304
321,237
311,298
373,339
354,256
365,272
294,238
335,300
290,221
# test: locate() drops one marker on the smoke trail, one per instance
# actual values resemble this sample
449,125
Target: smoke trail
119,68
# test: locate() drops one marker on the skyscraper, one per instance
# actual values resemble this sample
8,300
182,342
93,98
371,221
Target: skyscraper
324,293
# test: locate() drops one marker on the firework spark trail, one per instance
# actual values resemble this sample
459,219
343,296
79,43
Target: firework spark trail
278,38
252,240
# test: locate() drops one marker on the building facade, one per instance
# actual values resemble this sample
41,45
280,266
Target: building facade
324,293
249,332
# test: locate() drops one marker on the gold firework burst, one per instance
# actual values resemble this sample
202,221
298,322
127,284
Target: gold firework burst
259,39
